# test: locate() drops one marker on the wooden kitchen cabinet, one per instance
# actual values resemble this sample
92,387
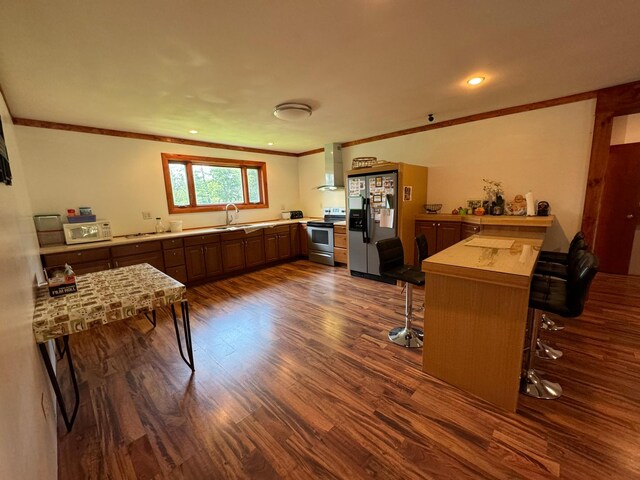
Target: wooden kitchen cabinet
84,261
284,245
340,254
440,234
174,259
271,247
232,255
203,257
254,251
304,241
295,240
137,253
448,234
468,230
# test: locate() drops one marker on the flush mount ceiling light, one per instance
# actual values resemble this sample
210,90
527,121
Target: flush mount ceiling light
270,143
193,131
292,111
475,81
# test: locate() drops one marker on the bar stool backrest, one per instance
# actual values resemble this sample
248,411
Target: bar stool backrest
391,254
577,244
581,272
423,247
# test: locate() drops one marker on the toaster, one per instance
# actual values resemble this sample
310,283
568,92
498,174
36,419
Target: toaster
296,214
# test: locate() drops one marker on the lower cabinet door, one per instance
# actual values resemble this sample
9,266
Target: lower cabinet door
430,231
448,234
254,251
271,248
284,245
304,245
232,255
213,259
295,240
178,273
194,260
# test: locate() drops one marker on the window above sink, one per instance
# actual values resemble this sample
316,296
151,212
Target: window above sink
204,184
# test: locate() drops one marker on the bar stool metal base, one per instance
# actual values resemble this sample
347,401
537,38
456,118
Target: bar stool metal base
546,351
550,324
407,337
536,386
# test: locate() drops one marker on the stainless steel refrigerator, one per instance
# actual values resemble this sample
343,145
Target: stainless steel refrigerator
372,212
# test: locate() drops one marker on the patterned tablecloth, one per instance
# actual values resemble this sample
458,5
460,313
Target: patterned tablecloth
104,297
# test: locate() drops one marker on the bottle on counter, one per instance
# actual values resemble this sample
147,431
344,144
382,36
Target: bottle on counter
159,225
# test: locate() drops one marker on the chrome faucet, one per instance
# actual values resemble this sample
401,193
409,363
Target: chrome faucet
226,209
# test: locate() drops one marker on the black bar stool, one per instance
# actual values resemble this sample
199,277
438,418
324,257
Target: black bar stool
392,267
562,297
557,270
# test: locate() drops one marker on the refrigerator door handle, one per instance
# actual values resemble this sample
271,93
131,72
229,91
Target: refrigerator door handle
365,229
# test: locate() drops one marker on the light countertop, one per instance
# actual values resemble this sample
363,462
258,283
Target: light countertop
124,240
514,265
505,220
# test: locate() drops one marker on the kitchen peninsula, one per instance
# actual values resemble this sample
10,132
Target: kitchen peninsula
476,300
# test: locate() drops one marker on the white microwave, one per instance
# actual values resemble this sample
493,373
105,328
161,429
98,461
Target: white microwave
87,232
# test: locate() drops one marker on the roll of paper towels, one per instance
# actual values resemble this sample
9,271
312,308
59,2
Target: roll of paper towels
531,208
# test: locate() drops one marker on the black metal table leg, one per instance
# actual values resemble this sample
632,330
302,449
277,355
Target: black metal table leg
152,320
56,386
186,326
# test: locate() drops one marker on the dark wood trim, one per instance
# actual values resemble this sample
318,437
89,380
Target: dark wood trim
470,118
27,122
611,102
190,159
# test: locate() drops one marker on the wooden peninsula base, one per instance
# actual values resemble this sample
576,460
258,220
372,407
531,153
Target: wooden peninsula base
476,303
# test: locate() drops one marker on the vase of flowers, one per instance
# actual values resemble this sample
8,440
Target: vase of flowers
494,196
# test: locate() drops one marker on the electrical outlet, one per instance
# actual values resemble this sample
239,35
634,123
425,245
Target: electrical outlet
146,215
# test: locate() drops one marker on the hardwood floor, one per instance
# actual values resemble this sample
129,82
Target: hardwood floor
295,379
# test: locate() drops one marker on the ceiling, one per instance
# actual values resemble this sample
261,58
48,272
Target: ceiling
367,67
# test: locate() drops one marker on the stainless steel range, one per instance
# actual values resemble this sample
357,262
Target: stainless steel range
320,236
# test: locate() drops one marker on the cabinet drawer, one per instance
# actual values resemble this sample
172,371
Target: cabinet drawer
135,249
152,258
178,273
340,240
279,229
173,257
91,267
201,239
340,229
93,255
340,255
173,243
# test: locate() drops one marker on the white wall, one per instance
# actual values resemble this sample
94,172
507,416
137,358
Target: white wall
28,442
312,200
121,177
626,129
544,150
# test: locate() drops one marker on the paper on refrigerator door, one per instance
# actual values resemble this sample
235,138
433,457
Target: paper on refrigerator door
386,217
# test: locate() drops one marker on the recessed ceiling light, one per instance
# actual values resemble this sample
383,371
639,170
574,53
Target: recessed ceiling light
475,81
270,143
292,111
193,131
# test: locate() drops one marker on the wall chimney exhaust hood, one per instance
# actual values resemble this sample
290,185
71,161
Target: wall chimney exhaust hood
333,170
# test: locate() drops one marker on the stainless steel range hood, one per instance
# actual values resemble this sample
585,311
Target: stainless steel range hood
333,169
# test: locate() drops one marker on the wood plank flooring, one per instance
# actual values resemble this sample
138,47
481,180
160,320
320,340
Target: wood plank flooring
295,379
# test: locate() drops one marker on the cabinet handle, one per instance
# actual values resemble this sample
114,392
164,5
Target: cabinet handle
438,224
205,249
137,246
116,262
109,265
80,254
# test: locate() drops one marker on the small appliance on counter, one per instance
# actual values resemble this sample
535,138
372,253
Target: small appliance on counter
543,209
49,229
296,214
87,232
320,235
